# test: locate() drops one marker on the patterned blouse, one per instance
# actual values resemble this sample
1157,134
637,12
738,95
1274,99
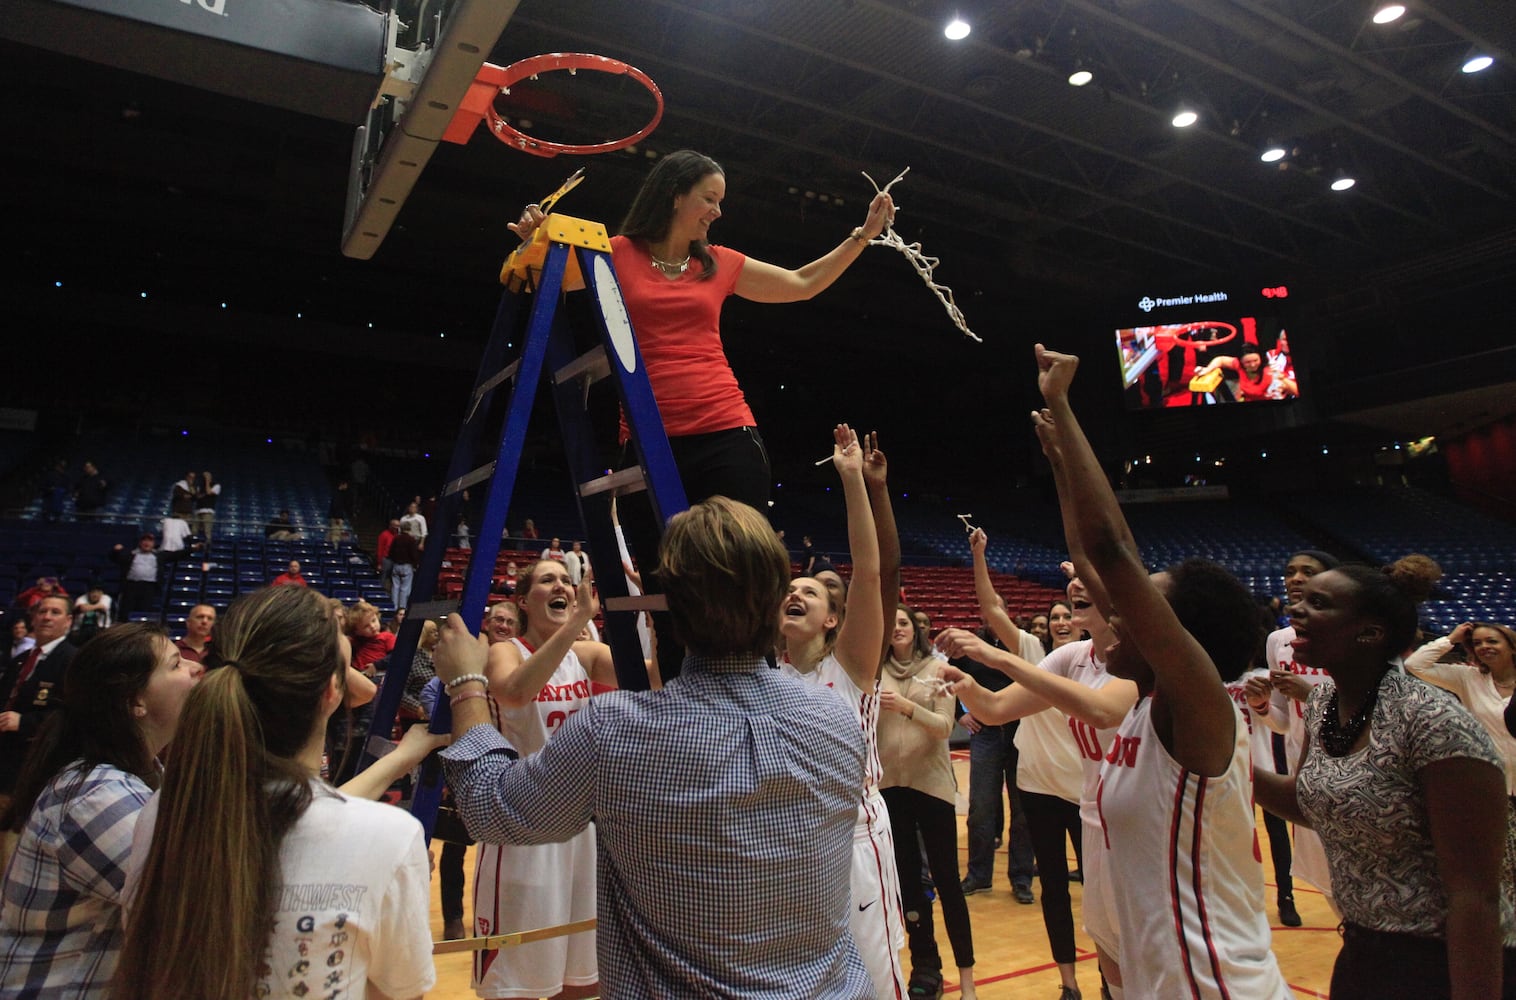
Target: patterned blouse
1368,808
60,923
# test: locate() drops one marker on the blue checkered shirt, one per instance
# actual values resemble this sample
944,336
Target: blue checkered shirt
60,915
724,809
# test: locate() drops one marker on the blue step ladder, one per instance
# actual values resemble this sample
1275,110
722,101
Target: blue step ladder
565,256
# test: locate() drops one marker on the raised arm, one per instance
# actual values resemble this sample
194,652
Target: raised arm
1035,688
1194,705
991,604
875,474
764,282
861,638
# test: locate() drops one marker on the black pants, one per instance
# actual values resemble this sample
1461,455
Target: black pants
1279,830
913,812
731,463
450,880
1379,965
137,595
1053,822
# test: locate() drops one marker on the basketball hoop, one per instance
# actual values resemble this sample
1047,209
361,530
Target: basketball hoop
492,81
1182,333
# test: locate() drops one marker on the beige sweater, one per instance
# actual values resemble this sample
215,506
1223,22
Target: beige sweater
913,747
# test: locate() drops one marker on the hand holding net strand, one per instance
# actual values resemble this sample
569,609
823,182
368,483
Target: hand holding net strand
923,264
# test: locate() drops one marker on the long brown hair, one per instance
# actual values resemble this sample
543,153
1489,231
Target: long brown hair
232,790
94,725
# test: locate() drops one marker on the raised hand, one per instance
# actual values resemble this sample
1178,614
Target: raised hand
847,455
531,218
1055,372
875,466
978,541
956,642
881,215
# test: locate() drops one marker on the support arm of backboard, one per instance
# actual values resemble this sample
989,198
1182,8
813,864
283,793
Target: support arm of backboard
379,181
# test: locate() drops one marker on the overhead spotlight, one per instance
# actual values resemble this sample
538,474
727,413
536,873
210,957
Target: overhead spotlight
957,29
1081,74
1185,118
1478,63
1343,181
1389,12
1273,154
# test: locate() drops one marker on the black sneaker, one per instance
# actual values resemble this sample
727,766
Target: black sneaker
1069,993
1288,915
1023,894
970,887
925,984
1077,875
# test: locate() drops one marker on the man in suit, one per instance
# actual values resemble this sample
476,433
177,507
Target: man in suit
29,687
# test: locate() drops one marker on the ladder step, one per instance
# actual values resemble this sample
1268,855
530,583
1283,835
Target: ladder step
641,602
628,480
508,372
431,609
592,364
462,483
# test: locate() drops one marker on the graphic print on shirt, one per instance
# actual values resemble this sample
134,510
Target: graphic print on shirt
317,961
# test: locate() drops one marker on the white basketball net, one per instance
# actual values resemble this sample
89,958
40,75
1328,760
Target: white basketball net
923,264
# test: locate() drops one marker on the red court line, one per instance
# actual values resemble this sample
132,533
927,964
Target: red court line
986,980
1309,993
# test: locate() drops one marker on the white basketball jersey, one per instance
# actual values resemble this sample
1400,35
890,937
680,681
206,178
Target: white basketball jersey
1186,847
1310,861
566,692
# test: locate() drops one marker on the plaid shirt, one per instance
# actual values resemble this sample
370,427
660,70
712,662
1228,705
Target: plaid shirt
60,916
723,807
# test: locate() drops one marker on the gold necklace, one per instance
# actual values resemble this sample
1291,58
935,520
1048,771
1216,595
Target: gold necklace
672,268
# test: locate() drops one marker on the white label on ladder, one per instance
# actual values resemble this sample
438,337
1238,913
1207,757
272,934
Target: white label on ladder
614,311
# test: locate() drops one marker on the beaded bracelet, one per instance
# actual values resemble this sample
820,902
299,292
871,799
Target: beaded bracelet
465,696
458,682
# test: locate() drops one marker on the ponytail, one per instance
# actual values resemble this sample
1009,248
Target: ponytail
233,788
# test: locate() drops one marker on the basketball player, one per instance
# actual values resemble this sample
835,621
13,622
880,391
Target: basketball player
846,658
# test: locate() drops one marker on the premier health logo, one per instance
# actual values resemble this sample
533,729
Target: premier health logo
1146,304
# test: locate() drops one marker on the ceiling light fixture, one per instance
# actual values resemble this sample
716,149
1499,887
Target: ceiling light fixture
1478,63
1081,75
1343,181
957,29
1273,154
1388,13
1185,118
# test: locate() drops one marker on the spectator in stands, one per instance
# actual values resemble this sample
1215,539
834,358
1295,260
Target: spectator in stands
786,877
506,584
461,533
554,550
369,641
282,529
198,626
92,614
529,530
55,490
577,561
182,502
89,491
206,496
405,555
382,551
21,639
242,784
291,577
807,556
91,770
46,586
339,513
143,570
413,523
396,620
176,533
30,686
1038,627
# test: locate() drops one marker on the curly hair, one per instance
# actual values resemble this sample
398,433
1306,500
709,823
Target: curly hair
1215,608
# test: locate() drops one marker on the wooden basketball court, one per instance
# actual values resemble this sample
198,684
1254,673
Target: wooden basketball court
1011,946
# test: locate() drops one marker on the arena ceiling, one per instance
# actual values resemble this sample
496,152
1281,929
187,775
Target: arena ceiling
1040,198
